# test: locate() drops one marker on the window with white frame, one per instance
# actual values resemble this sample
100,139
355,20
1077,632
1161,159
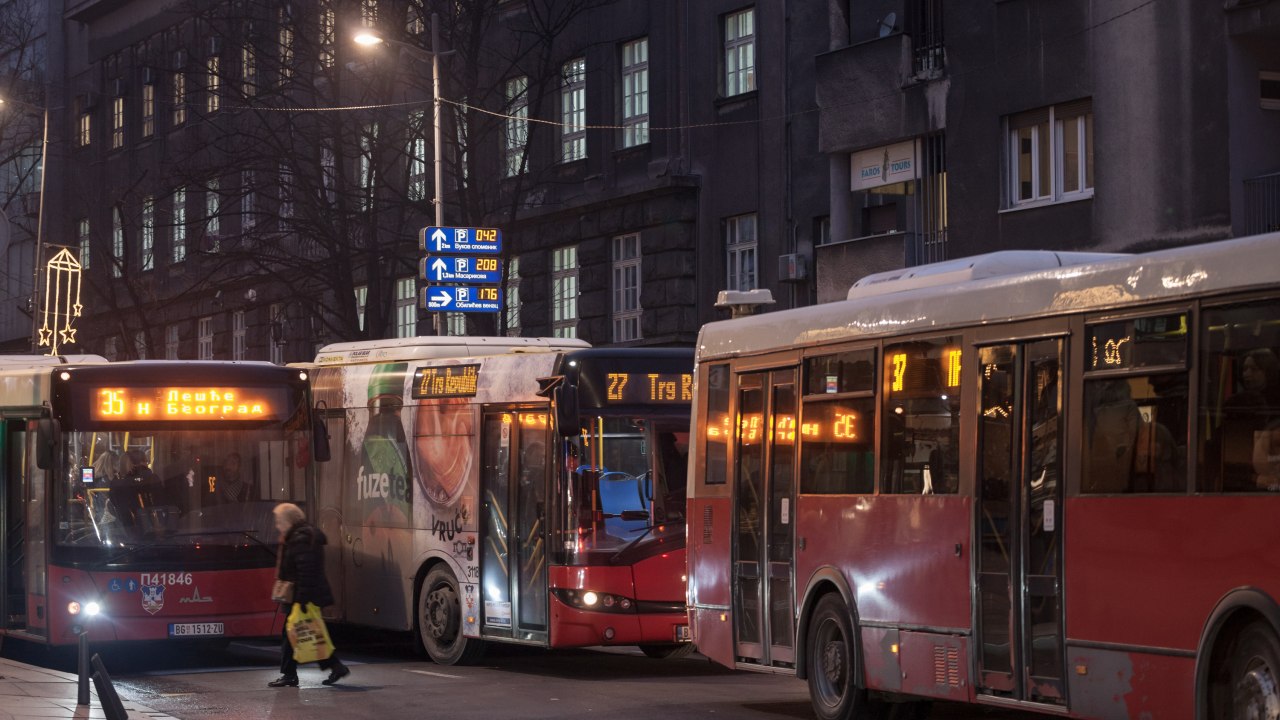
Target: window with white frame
573,110
512,299
516,126
626,288
564,292
117,122
213,84
417,152
362,300
117,242
739,52
285,210
328,27
237,335
368,173
179,247
635,92
248,218
179,89
82,240
284,44
248,71
212,210
204,337
148,110
140,345
172,342
275,335
148,233
406,307
1050,154
740,252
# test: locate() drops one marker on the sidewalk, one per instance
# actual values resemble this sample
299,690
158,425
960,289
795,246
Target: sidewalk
30,693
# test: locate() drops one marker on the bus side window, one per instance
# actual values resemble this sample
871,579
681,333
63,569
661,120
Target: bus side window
717,428
921,425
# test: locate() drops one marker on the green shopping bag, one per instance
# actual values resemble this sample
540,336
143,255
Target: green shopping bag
308,634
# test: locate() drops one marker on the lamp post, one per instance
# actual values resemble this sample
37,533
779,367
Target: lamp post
369,39
38,251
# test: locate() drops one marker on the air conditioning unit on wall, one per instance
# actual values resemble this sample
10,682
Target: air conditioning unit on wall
793,267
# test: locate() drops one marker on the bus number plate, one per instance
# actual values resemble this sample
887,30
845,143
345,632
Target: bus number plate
194,629
683,634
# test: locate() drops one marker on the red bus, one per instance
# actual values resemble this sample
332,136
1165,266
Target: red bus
533,493
137,496
1033,480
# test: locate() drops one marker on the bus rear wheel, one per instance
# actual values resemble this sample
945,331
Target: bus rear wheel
667,651
1254,691
440,620
832,648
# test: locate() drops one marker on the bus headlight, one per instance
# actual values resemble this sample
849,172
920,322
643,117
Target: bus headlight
589,598
73,608
92,608
89,609
594,601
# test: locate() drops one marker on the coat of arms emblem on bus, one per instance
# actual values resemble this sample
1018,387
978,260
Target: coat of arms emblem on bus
152,598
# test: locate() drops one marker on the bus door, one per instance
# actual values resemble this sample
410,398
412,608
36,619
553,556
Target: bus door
22,554
1019,563
764,562
513,561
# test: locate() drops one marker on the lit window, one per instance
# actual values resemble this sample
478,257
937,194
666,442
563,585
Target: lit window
406,307
368,172
739,52
1051,155
626,288
214,85
117,122
573,110
512,298
368,12
117,242
740,246
362,299
82,240
284,42
413,24
417,151
148,110
148,233
171,342
328,33
516,127
179,97
635,93
237,335
84,129
179,225
455,324
564,292
212,221
205,336
248,71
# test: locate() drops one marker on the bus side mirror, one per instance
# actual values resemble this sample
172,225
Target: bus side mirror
319,438
47,431
566,402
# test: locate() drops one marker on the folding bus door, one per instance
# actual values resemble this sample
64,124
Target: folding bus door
1019,571
764,563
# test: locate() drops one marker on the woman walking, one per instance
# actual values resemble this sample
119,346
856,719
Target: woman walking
302,563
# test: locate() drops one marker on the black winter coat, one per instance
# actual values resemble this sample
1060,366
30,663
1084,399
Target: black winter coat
303,563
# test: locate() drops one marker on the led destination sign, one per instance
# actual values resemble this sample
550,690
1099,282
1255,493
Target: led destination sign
641,387
445,381
216,403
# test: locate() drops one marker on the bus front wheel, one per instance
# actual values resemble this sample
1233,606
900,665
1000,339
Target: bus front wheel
832,648
440,620
1254,690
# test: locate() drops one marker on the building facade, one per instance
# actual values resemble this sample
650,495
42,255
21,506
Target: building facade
953,130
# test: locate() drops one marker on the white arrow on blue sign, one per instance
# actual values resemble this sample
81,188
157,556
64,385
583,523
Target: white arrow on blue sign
444,298
462,269
482,241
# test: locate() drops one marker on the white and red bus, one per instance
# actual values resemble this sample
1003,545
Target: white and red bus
1032,480
137,496
532,493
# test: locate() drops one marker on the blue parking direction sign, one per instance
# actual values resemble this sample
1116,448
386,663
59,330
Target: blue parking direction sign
482,241
444,298
462,269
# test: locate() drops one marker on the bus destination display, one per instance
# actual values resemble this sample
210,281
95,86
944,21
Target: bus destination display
216,403
649,387
446,381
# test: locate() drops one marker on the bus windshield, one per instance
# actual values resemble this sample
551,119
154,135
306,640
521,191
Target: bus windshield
205,488
626,489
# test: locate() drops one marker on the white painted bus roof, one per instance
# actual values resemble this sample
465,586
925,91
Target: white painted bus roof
976,267
430,347
26,362
1124,281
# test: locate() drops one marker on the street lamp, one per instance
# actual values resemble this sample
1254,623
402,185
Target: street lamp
369,39
39,248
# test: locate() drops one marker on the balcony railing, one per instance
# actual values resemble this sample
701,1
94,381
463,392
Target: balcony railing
1262,204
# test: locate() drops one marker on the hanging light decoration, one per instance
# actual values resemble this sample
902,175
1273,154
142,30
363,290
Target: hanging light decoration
61,301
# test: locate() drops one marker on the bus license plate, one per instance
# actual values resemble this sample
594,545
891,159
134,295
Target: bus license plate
683,634
194,629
